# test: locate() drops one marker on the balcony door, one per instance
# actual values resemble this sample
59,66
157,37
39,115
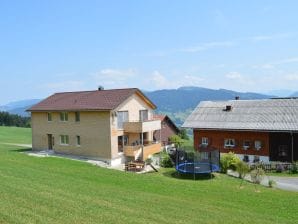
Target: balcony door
143,115
122,116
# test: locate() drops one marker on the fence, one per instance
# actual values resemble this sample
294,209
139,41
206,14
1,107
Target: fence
273,166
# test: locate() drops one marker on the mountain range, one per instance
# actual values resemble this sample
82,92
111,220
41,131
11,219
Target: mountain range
176,103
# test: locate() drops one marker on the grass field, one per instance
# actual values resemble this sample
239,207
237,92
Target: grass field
53,190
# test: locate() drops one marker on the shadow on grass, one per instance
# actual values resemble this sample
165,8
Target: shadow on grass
182,176
21,150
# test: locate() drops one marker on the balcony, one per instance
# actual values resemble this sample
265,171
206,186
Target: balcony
136,151
141,126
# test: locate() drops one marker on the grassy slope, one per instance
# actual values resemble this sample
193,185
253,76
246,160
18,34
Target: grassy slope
52,190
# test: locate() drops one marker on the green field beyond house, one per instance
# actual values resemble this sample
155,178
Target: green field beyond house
53,190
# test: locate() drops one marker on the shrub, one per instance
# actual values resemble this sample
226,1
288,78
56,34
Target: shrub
257,175
176,140
294,168
242,168
271,183
228,161
279,168
166,161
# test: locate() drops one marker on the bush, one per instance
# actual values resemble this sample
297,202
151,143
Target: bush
294,168
228,161
176,140
166,161
242,168
257,175
271,183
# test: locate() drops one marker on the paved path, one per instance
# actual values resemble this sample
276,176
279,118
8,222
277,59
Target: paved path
17,144
284,183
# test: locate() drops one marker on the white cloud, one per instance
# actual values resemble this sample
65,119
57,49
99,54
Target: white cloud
275,36
234,75
114,78
207,46
64,86
291,77
159,80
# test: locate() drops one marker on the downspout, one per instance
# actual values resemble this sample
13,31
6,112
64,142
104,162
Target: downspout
292,146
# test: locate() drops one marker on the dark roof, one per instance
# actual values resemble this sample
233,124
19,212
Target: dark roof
163,117
263,115
88,100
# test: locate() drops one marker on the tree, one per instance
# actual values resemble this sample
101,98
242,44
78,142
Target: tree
176,140
183,134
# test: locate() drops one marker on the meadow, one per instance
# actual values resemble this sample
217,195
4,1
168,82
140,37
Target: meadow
56,190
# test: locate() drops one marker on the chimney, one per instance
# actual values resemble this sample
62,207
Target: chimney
237,97
100,88
228,108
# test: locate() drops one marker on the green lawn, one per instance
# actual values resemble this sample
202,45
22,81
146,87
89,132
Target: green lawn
53,190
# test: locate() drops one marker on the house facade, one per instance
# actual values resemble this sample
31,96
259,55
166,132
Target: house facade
108,125
168,128
256,130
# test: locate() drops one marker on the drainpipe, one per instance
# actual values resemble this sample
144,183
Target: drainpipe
292,146
142,142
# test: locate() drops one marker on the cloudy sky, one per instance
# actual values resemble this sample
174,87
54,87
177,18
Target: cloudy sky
50,46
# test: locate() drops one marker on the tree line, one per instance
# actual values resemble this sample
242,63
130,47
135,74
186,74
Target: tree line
7,119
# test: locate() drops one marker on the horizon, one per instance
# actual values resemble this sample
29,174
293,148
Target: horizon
178,88
55,46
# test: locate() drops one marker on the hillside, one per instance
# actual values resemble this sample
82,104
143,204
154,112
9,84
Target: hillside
177,103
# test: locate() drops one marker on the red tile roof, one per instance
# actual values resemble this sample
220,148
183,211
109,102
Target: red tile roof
159,117
88,100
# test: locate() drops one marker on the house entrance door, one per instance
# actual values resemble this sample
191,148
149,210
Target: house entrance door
50,141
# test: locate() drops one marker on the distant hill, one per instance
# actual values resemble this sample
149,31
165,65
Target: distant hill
177,103
19,107
295,94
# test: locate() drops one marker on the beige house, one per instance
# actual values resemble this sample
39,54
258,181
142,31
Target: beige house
109,125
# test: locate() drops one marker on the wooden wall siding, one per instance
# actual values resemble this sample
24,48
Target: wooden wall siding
216,140
167,130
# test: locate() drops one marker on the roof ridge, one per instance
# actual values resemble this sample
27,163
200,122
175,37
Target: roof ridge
90,91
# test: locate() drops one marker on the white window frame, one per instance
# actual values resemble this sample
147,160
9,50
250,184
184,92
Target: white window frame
50,116
258,145
64,140
77,115
229,143
205,141
64,116
78,139
122,116
246,147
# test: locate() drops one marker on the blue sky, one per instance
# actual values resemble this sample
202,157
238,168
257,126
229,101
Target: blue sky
51,46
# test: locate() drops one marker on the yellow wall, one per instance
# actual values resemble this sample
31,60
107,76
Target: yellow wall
93,127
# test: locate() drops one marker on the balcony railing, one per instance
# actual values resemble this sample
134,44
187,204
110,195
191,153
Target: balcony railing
141,126
136,150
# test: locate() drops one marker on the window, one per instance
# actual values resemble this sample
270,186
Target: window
122,116
64,139
229,143
246,145
283,150
49,116
143,115
77,115
204,141
63,116
258,145
246,158
78,140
